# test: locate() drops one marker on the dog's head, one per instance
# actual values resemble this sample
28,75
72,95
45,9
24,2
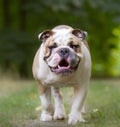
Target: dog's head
62,48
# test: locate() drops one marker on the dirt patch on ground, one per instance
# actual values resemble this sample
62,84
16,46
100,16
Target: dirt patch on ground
38,123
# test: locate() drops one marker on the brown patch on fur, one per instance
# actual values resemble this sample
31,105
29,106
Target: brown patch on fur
35,70
86,44
48,43
41,87
76,41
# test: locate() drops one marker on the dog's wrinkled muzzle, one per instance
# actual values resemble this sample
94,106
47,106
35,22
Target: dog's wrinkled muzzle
67,62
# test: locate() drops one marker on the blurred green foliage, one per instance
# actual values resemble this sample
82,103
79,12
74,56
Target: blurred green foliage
22,20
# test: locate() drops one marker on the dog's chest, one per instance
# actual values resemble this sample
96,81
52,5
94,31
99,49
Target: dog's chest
60,81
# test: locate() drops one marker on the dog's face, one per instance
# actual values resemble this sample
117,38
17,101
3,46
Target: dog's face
62,48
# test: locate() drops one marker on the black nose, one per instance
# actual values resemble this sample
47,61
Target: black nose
64,52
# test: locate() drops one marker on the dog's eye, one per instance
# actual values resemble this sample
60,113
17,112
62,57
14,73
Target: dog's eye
51,47
74,47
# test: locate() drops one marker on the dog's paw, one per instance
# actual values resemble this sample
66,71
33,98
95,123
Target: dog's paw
46,117
74,118
59,113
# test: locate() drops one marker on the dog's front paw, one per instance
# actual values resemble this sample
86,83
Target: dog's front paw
45,116
74,118
59,114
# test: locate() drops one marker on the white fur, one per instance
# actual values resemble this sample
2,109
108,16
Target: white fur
48,108
59,112
79,80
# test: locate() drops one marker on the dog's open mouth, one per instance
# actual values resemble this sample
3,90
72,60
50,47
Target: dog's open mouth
63,67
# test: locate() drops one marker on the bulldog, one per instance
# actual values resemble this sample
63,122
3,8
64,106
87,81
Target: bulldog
63,59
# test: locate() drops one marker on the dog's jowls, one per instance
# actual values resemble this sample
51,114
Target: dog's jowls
63,59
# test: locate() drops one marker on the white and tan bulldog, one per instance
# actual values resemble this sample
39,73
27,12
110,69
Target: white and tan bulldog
63,59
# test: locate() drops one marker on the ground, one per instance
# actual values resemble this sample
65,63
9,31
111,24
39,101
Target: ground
20,105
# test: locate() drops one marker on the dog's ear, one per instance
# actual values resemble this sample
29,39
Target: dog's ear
45,35
79,33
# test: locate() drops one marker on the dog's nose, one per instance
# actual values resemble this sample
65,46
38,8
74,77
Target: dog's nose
64,52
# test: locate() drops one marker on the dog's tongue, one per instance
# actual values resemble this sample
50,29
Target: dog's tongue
63,67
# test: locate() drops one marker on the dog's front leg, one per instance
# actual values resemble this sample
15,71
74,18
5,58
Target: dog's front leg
47,106
59,107
75,115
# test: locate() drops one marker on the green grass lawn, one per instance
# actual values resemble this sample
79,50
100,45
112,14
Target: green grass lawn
20,105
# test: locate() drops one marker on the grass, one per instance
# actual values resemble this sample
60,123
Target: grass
19,103
104,104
